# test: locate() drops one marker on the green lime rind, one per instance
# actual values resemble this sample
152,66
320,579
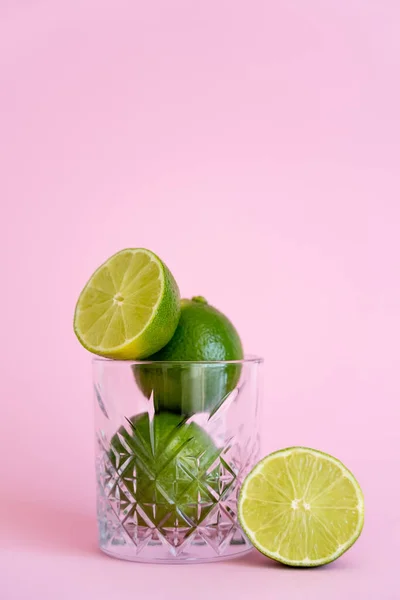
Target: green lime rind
165,319
301,562
164,463
203,334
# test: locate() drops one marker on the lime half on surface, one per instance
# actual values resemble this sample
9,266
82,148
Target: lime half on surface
129,308
301,507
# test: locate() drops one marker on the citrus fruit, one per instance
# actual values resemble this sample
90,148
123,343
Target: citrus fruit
203,334
129,308
162,464
301,507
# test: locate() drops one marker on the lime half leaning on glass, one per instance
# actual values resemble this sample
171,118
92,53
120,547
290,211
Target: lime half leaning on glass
301,507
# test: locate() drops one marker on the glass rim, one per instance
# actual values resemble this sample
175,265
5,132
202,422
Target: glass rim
248,359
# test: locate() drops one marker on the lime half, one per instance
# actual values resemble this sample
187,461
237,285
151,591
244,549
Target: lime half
301,507
129,308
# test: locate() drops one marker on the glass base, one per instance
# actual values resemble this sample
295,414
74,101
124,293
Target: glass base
139,524
217,536
161,555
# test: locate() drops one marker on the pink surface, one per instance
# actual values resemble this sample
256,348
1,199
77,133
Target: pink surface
255,147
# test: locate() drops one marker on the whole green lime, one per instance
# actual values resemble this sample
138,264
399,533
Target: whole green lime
163,464
199,382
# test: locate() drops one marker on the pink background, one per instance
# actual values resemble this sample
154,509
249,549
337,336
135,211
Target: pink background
255,146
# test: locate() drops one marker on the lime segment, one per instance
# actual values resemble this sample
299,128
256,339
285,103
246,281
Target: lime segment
129,308
301,507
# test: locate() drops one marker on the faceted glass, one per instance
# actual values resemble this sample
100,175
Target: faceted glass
174,441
